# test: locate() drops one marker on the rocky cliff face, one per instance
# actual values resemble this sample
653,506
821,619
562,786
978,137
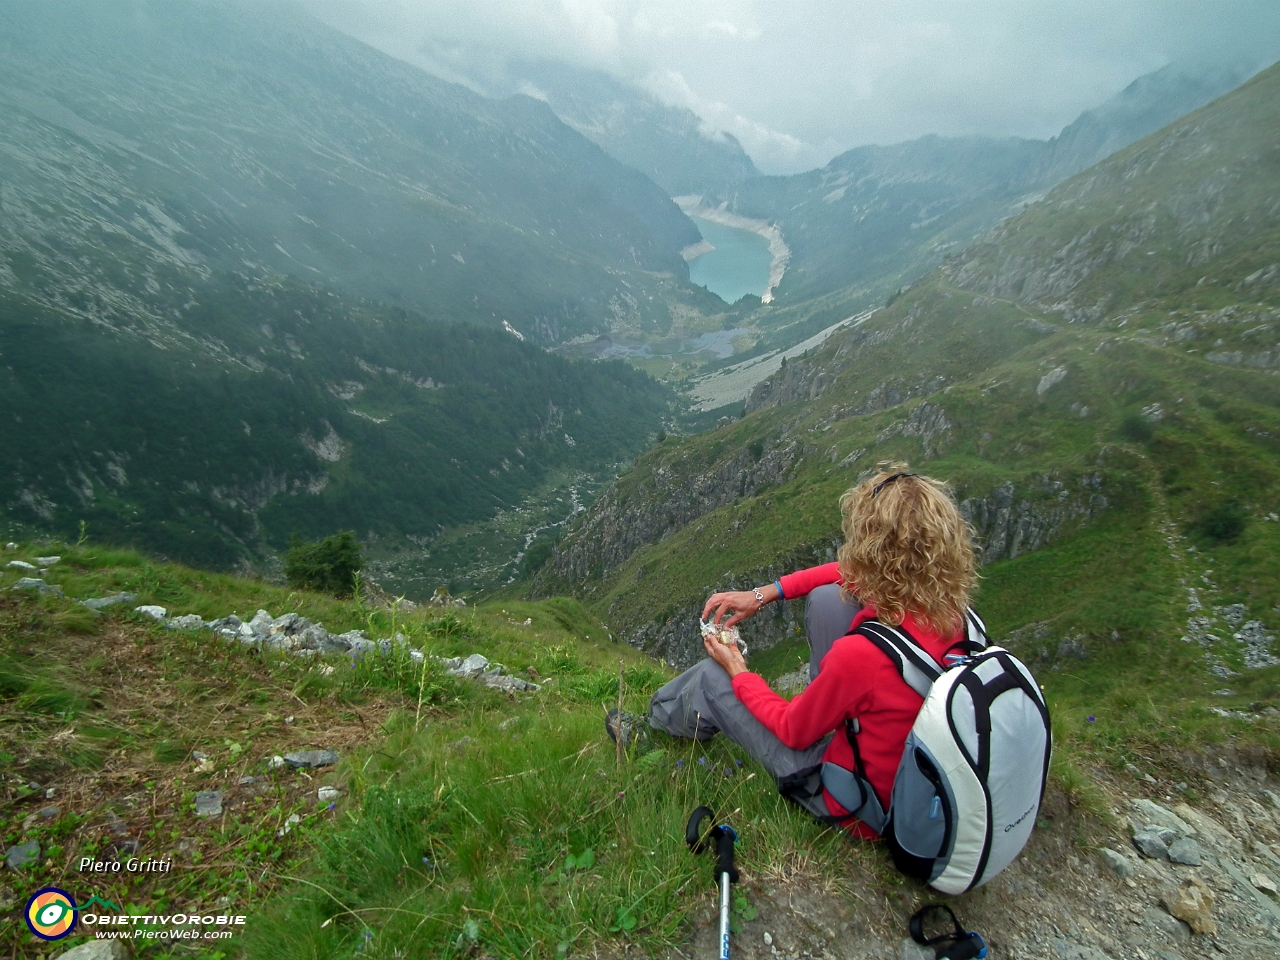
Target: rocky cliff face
628,518
1008,525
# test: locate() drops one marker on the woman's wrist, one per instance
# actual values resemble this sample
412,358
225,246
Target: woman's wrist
768,594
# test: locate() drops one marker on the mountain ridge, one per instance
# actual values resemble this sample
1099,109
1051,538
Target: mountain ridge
877,217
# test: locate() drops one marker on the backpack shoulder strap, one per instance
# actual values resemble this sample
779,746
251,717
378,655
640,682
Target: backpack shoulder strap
914,664
975,631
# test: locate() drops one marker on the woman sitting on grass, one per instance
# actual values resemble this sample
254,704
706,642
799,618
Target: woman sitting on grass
908,561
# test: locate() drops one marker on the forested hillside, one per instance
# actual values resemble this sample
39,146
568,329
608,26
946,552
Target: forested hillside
259,280
279,409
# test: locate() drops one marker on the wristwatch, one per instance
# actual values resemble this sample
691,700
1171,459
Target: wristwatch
760,596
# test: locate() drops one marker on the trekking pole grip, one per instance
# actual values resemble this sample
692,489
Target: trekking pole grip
725,838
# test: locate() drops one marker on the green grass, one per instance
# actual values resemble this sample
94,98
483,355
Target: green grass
459,843
496,793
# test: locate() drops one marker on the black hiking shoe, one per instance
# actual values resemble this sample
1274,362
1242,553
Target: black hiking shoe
626,728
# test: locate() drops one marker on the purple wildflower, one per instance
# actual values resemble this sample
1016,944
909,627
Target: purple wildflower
1092,718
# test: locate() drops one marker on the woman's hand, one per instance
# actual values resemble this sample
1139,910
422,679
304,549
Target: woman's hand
743,603
727,655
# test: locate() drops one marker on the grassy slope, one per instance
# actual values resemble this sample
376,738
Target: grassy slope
456,816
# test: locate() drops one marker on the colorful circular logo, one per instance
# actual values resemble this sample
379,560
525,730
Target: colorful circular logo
51,913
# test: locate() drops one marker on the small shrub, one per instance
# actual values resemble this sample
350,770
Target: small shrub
1136,428
536,558
1224,522
756,449
328,565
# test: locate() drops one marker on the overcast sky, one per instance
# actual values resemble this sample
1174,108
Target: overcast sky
799,81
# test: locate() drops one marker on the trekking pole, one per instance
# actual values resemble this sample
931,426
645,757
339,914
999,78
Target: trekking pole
725,872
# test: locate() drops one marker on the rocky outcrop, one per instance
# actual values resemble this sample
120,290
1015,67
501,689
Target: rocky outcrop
927,423
627,518
1009,525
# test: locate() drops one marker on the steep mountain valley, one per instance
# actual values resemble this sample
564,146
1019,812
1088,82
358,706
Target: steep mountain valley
261,283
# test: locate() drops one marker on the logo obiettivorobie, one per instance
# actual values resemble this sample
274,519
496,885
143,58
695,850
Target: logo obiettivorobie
51,913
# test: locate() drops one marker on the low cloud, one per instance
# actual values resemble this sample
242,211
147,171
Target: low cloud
798,81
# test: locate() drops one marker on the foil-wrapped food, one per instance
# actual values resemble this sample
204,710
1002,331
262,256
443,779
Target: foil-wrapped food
725,635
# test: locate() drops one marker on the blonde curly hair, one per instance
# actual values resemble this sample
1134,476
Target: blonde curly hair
907,549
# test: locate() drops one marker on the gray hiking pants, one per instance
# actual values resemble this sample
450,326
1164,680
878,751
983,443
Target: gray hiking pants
701,703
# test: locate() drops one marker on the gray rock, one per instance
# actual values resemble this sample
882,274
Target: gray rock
1118,863
261,624
209,803
1257,645
1065,950
472,666
326,794
152,611
17,857
21,565
311,758
1167,924
280,641
286,623
1271,797
331,644
1150,843
1186,851
313,637
908,949
1168,955
98,950
101,603
190,621
34,583
245,634
510,684
1148,812
357,642
47,561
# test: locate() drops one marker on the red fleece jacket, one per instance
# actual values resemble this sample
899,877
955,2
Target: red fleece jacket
855,680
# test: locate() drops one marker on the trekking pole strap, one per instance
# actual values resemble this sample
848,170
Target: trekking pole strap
959,944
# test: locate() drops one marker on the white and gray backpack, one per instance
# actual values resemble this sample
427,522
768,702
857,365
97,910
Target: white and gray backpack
974,767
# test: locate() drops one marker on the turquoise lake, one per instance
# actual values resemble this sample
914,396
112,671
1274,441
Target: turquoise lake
738,265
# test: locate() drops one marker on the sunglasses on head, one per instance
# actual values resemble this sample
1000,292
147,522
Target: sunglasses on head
888,480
